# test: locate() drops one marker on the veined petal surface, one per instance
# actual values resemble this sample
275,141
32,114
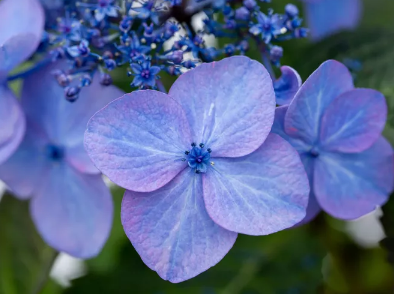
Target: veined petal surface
172,231
138,141
258,194
349,185
229,104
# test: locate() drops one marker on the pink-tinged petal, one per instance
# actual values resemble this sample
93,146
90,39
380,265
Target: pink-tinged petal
229,104
12,126
353,121
171,230
348,186
23,24
258,194
326,17
73,211
287,85
303,117
279,128
23,171
64,122
138,140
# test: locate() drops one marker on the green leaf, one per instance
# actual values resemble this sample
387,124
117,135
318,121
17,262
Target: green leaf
25,260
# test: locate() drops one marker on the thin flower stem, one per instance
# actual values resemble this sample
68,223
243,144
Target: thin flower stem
267,64
43,276
265,59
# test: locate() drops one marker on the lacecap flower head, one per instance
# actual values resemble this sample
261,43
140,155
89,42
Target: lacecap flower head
199,165
70,204
337,131
21,26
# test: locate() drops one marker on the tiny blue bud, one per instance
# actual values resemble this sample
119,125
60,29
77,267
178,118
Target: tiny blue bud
291,10
105,79
71,93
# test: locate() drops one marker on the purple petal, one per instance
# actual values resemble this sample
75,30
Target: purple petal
353,121
23,24
229,104
287,85
348,186
63,122
312,210
279,128
258,194
72,211
304,114
138,140
12,123
23,171
313,206
303,149
326,17
172,231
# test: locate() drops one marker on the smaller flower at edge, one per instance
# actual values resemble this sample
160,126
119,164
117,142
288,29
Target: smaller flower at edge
70,204
337,131
287,85
19,38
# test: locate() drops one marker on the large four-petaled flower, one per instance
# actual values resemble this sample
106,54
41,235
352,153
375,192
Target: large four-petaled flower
199,165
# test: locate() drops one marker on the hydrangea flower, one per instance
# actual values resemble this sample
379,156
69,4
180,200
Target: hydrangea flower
268,26
199,165
325,17
145,74
287,85
70,204
337,131
21,27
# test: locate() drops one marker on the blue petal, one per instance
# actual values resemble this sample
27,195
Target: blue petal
154,70
303,117
287,85
230,104
136,68
326,17
279,128
138,141
60,121
260,193
22,24
12,123
24,170
72,211
348,186
354,121
313,206
172,231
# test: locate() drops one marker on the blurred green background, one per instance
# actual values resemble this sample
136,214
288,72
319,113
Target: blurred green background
321,257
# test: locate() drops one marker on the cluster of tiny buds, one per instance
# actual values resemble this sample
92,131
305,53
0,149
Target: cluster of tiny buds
98,36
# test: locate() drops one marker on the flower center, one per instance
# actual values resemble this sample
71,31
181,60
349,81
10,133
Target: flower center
145,73
198,158
55,153
314,152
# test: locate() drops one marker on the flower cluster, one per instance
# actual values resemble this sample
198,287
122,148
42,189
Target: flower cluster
150,37
211,159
